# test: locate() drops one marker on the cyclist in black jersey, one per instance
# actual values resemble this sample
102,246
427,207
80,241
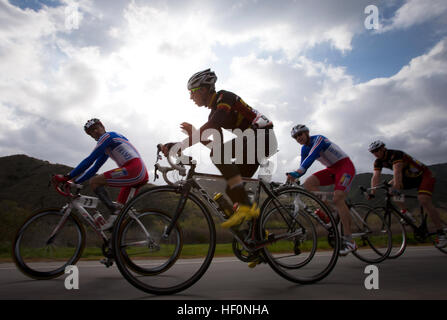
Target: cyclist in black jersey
409,173
255,135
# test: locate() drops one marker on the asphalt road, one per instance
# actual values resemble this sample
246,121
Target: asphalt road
421,273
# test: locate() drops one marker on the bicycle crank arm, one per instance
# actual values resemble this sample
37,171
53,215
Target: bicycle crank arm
280,237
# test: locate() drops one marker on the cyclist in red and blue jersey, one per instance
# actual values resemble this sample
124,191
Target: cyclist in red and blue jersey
131,173
340,171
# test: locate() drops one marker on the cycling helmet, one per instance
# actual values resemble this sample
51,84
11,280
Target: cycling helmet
297,129
375,145
205,77
91,123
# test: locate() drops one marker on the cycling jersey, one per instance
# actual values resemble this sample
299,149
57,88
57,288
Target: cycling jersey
411,167
322,149
110,144
414,173
229,111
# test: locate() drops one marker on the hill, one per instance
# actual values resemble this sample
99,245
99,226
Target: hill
25,181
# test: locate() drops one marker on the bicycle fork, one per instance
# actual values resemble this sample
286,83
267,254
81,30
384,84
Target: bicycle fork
66,210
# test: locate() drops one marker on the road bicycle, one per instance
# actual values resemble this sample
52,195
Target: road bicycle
284,235
369,231
53,238
399,222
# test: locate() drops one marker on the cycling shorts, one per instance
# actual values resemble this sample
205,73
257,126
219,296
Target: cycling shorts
341,174
131,175
425,183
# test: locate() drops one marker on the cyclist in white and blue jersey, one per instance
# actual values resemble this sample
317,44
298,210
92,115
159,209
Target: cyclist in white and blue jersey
340,172
131,173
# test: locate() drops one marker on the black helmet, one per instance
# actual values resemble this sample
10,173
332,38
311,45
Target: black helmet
205,77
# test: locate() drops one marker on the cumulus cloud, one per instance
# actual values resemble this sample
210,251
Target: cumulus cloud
415,12
407,111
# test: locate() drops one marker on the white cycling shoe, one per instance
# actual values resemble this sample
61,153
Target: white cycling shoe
110,222
347,247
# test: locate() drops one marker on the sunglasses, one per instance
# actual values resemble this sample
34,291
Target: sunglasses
194,89
375,150
298,134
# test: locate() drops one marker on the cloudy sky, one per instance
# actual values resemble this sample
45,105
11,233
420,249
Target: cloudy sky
314,62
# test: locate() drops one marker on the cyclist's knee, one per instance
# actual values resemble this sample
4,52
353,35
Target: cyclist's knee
425,200
312,183
339,197
97,181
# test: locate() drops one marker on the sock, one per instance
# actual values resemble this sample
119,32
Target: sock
103,195
238,194
348,238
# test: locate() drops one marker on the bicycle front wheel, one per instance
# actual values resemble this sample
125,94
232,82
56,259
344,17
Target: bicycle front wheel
154,261
371,234
142,239
299,249
398,232
45,244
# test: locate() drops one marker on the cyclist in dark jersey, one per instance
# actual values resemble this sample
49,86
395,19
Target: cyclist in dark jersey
255,134
408,174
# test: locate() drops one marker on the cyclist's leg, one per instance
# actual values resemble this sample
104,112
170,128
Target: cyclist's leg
132,174
425,192
344,175
98,184
232,174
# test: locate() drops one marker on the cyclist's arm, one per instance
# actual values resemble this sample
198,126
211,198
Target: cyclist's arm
97,153
375,179
91,172
397,179
215,122
307,159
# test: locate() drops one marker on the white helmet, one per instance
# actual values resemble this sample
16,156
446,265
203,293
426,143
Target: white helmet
205,77
91,123
375,145
297,129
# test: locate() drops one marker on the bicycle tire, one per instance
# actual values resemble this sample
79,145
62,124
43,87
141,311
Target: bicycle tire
444,227
312,271
275,226
378,237
157,284
31,260
398,230
141,269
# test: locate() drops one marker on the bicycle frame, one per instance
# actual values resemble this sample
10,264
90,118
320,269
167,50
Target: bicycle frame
421,230
326,196
191,184
79,204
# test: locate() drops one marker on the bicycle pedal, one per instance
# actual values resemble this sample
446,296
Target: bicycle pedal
107,262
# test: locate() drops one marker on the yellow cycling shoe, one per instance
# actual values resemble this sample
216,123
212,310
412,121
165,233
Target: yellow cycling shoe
254,263
243,213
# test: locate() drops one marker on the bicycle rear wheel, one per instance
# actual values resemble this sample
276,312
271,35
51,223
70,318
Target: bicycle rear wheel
300,251
40,253
371,234
172,264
